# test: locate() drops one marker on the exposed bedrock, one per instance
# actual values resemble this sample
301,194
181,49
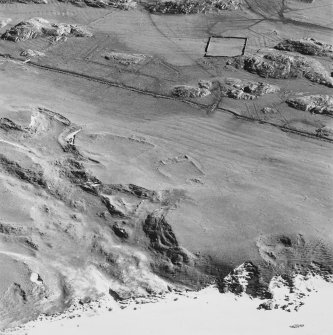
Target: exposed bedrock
32,176
39,27
284,65
318,104
234,88
120,246
124,58
192,6
244,89
284,276
120,4
308,46
8,124
26,1
84,238
171,260
188,91
32,53
245,279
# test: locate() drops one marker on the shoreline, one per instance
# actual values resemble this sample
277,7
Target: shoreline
192,312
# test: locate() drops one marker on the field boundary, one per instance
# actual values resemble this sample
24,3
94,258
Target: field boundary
167,97
225,37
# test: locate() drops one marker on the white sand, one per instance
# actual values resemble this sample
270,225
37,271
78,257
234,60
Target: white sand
204,312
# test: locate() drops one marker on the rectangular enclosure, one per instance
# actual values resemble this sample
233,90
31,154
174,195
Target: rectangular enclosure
225,46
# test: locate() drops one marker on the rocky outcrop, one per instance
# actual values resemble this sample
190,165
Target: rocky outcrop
39,27
172,261
120,231
124,58
163,240
231,87
308,46
32,53
8,124
289,292
291,267
244,89
319,104
245,279
67,225
187,91
193,6
33,177
39,2
286,291
115,207
283,65
120,4
269,110
130,190
159,233
325,131
8,229
128,250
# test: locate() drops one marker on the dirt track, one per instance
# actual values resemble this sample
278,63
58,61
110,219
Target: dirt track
211,109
